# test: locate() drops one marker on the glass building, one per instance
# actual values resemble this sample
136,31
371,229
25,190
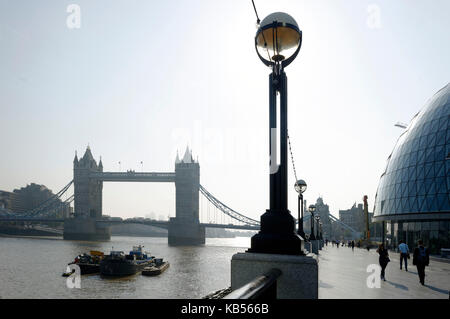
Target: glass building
413,197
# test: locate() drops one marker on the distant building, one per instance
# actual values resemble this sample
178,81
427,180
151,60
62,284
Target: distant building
8,200
26,199
354,217
323,211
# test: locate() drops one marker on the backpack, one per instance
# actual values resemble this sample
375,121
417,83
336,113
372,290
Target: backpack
422,256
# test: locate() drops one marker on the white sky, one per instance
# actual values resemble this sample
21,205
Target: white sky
141,79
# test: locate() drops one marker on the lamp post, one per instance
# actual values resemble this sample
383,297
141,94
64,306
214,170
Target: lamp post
312,209
277,42
321,231
318,226
300,187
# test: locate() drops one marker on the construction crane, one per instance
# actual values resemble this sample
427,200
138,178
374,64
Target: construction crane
366,213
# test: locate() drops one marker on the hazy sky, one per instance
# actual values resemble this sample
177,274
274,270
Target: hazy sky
140,79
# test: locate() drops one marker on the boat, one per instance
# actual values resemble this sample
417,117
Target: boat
119,264
88,263
158,267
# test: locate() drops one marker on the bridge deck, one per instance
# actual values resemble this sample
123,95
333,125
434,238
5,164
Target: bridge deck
156,177
156,223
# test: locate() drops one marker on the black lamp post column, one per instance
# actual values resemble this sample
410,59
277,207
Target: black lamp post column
277,234
300,230
312,236
318,229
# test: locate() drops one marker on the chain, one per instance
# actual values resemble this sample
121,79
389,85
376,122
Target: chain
292,157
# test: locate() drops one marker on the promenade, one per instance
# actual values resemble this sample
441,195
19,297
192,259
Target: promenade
343,274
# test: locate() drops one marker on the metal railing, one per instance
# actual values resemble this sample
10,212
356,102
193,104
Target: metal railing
262,287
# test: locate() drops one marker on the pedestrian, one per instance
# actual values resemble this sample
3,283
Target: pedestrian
421,258
337,243
353,245
404,254
383,259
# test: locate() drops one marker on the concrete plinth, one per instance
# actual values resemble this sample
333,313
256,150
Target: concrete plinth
182,233
308,246
299,274
86,229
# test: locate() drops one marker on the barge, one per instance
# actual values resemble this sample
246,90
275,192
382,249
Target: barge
119,264
158,267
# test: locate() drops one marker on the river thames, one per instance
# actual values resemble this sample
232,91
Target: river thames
32,268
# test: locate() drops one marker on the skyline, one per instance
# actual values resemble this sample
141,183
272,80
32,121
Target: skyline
108,85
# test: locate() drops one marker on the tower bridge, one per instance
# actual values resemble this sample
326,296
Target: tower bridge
89,224
88,178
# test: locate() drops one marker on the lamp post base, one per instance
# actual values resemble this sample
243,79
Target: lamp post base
277,235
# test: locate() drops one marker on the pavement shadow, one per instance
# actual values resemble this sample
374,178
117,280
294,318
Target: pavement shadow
442,291
324,284
396,285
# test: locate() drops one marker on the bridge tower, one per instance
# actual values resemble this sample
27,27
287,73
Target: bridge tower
185,228
87,201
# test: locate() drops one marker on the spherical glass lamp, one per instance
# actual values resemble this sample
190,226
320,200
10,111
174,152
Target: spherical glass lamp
312,208
300,186
278,39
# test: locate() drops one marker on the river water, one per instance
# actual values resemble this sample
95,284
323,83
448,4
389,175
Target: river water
32,268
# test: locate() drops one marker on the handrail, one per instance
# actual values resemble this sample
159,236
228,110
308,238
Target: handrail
264,286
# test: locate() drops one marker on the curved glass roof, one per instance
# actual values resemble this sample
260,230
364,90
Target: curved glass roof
417,175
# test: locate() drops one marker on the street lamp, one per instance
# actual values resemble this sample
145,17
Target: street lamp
312,209
277,42
300,187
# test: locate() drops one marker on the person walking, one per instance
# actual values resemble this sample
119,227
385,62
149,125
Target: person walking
421,258
404,254
383,259
353,245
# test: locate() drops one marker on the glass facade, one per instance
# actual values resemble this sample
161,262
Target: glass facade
417,176
435,234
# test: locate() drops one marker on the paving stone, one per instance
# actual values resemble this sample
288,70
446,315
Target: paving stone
343,274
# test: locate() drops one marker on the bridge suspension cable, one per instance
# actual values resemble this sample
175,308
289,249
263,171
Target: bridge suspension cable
227,210
55,199
344,225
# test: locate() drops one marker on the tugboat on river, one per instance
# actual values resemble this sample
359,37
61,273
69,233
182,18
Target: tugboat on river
119,264
88,263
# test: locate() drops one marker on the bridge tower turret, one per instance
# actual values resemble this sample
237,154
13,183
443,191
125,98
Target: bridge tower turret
87,201
88,193
185,228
